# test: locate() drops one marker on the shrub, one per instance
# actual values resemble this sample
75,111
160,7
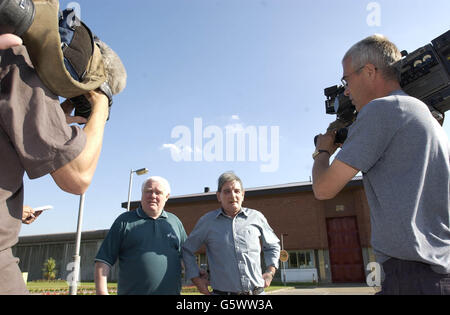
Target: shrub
49,270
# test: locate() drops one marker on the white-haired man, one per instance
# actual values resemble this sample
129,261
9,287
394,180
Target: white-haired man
147,242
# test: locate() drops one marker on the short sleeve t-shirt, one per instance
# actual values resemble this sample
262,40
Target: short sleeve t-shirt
34,137
149,253
403,154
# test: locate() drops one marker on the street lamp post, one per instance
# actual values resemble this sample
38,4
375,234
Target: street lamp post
283,273
75,275
139,172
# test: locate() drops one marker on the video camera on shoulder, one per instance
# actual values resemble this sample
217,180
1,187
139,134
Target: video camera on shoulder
16,16
423,74
340,105
71,61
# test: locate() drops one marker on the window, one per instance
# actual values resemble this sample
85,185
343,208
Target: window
300,259
202,260
293,262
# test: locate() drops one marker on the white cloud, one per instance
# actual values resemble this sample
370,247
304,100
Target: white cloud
177,149
170,146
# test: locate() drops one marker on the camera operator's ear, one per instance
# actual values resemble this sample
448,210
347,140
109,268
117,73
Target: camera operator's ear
371,70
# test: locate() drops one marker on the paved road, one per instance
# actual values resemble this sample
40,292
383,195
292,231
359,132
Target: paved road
328,290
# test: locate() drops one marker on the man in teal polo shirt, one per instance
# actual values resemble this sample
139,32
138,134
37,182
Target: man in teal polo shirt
147,242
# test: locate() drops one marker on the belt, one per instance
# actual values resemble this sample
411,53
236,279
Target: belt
256,291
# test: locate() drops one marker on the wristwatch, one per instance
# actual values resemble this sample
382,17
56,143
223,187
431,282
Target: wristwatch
317,152
272,273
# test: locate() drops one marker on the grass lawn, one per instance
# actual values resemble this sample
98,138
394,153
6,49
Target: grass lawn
61,287
88,288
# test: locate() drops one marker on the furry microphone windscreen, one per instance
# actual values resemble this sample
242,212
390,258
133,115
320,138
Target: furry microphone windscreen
115,70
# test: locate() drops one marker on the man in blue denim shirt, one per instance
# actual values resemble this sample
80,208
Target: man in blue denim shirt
232,237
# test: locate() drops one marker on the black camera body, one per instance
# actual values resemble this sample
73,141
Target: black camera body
77,44
340,105
16,16
423,74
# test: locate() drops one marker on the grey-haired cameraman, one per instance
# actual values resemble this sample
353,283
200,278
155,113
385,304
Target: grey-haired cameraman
403,154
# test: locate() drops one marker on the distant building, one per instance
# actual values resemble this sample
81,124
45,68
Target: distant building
33,251
327,241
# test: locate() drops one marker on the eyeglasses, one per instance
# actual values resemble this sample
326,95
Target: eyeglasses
345,78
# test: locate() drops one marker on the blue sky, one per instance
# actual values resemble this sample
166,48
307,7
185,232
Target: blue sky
258,65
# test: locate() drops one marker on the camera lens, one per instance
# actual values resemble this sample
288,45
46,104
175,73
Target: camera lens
16,16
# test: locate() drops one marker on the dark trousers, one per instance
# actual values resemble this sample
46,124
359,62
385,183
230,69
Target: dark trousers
413,278
11,280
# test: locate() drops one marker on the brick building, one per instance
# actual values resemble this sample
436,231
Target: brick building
327,241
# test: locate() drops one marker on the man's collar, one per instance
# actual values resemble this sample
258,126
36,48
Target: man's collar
397,92
243,211
141,213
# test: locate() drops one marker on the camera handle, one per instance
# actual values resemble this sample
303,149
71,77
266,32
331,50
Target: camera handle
341,136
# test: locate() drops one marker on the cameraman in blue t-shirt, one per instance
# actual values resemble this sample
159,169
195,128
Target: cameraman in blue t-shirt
403,154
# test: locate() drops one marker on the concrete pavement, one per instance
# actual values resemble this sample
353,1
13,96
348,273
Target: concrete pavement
351,289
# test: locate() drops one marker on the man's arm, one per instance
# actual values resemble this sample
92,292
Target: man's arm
195,240
29,215
101,278
328,180
202,283
76,176
271,249
198,277
268,276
